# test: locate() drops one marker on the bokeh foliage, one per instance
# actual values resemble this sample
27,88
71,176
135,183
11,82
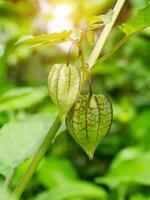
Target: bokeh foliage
121,166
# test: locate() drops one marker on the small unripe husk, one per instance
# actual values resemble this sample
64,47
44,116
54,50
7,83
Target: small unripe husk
64,84
89,121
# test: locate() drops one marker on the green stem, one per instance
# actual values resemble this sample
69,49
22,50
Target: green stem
104,35
113,50
81,52
37,158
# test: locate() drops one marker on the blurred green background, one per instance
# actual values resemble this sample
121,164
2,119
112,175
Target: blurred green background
121,168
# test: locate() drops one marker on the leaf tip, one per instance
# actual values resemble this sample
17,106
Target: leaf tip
90,155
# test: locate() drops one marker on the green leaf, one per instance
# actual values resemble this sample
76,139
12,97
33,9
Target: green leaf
21,98
94,19
48,169
137,22
92,22
130,166
137,124
74,190
20,139
4,194
8,10
140,197
46,39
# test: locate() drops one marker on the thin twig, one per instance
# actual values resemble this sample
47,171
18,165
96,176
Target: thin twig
69,54
89,81
104,35
81,51
113,50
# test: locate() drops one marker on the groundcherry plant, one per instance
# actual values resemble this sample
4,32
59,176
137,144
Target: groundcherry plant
88,118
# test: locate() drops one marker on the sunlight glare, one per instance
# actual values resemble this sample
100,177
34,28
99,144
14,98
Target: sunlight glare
62,11
61,21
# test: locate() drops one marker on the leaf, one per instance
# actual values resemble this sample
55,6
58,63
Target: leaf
46,39
137,125
51,166
91,22
21,98
4,194
130,166
77,189
20,139
8,10
137,22
94,19
140,197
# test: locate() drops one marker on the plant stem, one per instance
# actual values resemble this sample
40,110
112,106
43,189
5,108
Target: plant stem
104,35
81,52
113,50
37,158
69,54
